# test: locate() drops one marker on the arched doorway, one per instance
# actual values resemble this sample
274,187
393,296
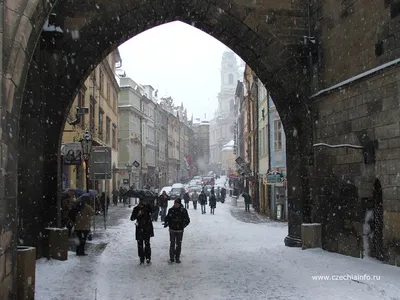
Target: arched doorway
377,223
55,66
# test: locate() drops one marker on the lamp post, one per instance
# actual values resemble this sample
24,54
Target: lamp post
86,143
129,168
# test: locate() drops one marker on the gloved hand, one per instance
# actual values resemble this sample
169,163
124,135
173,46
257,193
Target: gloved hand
165,225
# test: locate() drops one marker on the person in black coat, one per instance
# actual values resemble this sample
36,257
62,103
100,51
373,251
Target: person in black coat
144,229
177,219
186,198
203,201
213,203
163,200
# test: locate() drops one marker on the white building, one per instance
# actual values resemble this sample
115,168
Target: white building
130,138
222,126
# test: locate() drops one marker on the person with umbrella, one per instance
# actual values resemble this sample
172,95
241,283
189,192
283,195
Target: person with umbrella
144,229
82,214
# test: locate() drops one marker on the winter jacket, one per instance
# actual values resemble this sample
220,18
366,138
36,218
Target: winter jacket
213,201
163,200
177,219
144,225
83,219
203,199
186,197
195,197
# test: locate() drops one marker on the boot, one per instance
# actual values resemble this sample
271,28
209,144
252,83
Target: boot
177,260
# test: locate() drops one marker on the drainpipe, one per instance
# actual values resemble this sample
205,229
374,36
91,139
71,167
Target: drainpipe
269,154
256,141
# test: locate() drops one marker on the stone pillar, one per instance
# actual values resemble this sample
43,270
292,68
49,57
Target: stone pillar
26,271
299,137
56,243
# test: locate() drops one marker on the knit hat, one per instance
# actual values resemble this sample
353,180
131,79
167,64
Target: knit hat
178,200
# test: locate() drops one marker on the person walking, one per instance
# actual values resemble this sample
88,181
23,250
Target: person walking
144,230
213,203
186,198
203,201
177,220
83,220
247,201
195,198
163,205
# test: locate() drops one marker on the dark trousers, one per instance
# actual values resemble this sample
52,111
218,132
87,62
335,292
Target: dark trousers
247,206
155,214
163,213
82,236
203,208
187,205
175,248
212,210
144,249
195,204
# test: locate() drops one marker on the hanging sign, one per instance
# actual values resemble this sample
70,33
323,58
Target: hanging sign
72,154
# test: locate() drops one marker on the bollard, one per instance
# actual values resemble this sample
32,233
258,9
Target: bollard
234,201
26,268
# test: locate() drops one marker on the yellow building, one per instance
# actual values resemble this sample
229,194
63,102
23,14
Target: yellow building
99,94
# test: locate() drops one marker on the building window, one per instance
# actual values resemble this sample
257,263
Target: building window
278,135
108,125
230,78
114,136
101,120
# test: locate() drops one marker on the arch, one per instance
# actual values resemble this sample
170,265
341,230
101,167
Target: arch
49,93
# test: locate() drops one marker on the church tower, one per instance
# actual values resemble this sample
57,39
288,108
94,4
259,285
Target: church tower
229,78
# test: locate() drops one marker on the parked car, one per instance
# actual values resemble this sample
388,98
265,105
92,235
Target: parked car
209,180
177,191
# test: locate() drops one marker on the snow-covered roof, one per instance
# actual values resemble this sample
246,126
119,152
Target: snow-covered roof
229,146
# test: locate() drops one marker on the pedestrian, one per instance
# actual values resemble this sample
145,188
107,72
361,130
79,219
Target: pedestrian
115,195
186,198
177,220
163,205
213,203
104,202
67,202
247,201
195,198
144,230
156,209
203,201
82,215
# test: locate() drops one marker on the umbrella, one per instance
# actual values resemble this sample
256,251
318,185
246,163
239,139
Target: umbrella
80,192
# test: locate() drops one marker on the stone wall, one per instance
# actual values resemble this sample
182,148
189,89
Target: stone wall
355,36
369,108
18,36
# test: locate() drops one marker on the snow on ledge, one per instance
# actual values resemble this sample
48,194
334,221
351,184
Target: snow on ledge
357,77
51,28
338,146
310,224
55,229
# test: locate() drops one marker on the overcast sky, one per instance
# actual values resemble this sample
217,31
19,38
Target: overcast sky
180,61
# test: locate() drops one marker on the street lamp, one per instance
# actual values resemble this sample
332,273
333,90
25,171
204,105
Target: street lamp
86,143
129,168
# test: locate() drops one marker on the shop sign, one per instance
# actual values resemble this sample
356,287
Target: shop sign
274,178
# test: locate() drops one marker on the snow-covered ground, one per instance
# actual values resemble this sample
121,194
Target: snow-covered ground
222,258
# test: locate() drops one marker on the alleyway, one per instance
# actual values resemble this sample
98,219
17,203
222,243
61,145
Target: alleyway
227,256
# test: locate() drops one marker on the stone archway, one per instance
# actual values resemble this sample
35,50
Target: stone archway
266,36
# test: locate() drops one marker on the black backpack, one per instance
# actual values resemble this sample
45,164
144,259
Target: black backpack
74,210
